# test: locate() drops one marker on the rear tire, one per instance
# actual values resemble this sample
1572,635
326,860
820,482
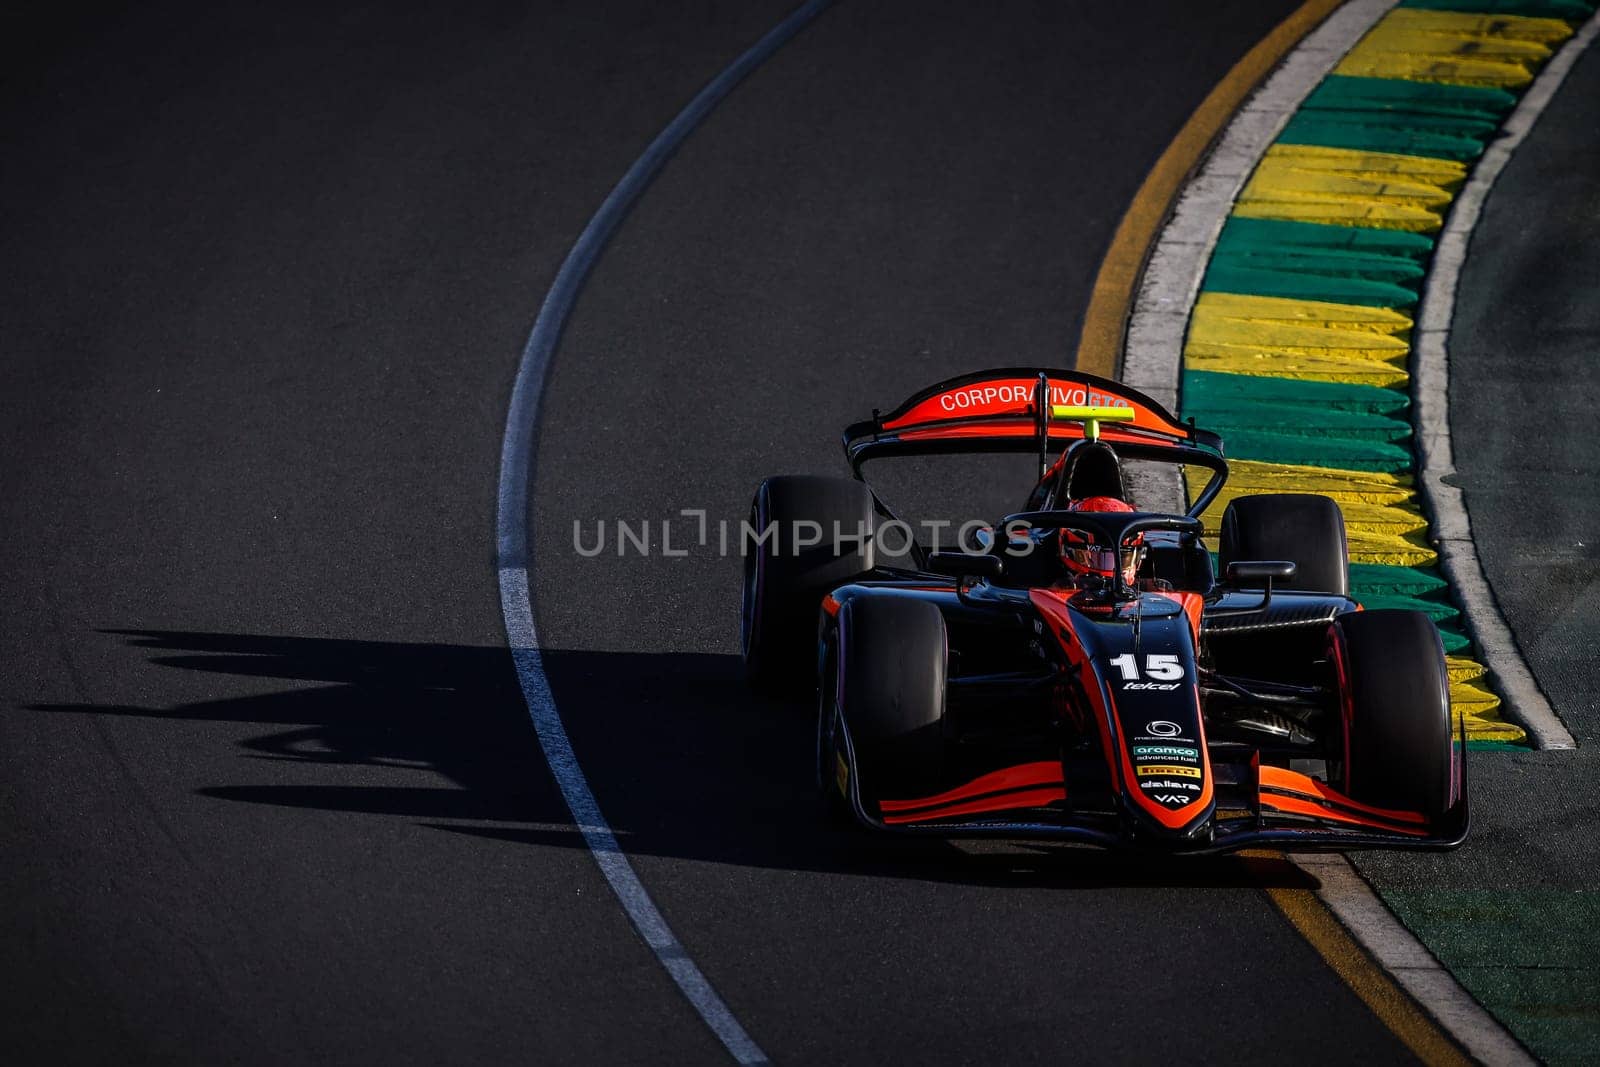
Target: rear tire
782,589
892,654
1399,750
1301,527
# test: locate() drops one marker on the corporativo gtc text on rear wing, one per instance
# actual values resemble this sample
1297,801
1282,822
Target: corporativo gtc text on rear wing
1027,409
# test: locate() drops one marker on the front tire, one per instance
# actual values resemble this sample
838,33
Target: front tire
892,654
1400,743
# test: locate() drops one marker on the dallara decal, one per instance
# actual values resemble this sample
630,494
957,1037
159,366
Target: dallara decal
1168,783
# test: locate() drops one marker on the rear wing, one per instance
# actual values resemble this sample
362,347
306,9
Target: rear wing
1032,410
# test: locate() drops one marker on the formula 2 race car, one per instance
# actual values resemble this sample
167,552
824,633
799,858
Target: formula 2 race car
1077,670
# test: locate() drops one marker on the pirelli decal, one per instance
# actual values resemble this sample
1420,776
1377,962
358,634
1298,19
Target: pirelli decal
1153,770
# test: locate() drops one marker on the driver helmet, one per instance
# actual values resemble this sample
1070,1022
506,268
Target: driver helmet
1081,557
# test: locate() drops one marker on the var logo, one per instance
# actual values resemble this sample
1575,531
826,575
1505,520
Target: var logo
1170,798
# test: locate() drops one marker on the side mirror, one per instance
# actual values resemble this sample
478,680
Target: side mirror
1245,573
966,565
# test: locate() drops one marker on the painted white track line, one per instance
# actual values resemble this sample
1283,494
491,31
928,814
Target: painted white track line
1153,363
516,469
1430,388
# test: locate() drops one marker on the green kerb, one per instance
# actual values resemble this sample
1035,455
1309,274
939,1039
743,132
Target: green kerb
1313,424
1305,261
1401,116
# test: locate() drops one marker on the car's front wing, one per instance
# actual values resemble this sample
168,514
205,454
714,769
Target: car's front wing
1270,807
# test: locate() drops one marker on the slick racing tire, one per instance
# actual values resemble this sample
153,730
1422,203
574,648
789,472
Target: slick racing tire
785,579
890,655
1395,692
1305,529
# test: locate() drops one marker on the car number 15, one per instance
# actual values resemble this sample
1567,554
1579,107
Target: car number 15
1159,666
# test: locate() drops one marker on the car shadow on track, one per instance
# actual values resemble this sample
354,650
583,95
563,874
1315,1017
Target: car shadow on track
685,761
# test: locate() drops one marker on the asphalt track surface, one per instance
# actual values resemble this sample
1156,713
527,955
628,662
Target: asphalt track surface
268,790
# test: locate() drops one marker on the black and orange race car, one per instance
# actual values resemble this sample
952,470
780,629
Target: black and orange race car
1077,670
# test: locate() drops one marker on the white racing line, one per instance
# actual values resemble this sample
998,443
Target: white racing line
1153,362
516,470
